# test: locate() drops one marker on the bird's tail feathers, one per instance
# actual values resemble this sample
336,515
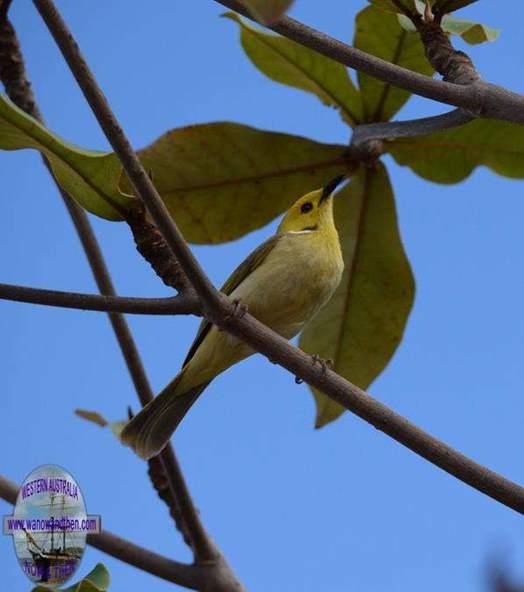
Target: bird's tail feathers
149,431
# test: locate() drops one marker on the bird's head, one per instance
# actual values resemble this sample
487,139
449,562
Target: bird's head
312,211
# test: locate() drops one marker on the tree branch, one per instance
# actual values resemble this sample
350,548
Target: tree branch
454,65
172,571
179,305
481,98
12,72
406,129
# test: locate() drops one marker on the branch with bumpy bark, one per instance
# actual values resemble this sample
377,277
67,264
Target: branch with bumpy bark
454,65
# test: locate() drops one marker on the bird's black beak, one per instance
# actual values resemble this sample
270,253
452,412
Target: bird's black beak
330,187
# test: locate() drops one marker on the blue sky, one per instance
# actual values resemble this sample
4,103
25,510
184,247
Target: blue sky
293,509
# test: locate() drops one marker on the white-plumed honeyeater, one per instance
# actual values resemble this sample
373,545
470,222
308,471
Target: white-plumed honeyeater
283,283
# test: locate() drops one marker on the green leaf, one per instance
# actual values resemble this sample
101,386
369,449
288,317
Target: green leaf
362,325
444,6
450,156
292,64
472,33
390,6
91,178
406,23
98,580
222,180
382,35
267,11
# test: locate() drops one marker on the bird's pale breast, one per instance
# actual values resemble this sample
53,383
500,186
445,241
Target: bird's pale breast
296,279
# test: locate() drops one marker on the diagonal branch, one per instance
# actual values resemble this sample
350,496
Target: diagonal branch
179,305
12,73
481,98
218,309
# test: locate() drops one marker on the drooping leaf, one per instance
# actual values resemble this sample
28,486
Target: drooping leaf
472,33
362,325
406,23
444,6
98,580
97,418
381,34
292,64
450,156
267,11
91,178
222,180
92,416
391,6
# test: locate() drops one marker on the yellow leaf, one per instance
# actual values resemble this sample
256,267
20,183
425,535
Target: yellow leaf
222,180
362,325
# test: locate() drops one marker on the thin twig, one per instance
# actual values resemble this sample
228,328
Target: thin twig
260,337
481,98
191,526
167,569
182,304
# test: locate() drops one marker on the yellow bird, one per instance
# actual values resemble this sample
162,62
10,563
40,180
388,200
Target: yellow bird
283,283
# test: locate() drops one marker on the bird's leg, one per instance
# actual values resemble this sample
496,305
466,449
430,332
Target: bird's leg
324,364
238,311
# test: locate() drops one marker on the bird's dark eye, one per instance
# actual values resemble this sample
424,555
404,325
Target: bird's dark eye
306,207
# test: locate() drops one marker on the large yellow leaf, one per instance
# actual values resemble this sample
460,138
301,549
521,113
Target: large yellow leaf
362,325
222,180
380,33
450,156
90,177
292,64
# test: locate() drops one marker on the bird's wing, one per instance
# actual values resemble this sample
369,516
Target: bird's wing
246,268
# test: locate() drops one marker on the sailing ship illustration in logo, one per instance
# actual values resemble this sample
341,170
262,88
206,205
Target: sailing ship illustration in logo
50,525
